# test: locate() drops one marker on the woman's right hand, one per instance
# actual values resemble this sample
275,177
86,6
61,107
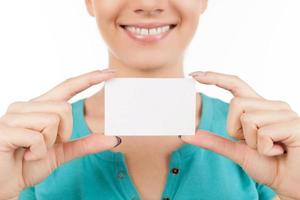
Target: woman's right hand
34,135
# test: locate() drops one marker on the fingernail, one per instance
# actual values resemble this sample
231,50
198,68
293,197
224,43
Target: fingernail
197,73
109,70
119,141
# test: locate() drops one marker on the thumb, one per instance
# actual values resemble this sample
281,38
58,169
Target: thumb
90,144
208,140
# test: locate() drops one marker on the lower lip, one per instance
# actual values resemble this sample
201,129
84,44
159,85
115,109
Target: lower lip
147,38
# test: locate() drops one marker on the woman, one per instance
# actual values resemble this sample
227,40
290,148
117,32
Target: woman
148,39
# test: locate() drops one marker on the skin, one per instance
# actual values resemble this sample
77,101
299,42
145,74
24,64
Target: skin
47,119
132,59
34,136
268,132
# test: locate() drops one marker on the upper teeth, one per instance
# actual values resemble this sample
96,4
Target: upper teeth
146,31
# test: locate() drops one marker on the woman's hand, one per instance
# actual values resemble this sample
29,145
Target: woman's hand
34,135
268,132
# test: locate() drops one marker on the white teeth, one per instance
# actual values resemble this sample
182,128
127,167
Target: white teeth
145,31
165,28
152,31
138,30
159,30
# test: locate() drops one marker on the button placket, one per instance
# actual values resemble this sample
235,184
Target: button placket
123,178
175,171
173,176
121,174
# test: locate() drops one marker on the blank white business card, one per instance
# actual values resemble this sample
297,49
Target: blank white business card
150,106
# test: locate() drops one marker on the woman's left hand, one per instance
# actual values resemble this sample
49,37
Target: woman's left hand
268,131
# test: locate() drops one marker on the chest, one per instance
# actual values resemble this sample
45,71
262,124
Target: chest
92,178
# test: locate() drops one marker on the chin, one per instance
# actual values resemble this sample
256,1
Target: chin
146,63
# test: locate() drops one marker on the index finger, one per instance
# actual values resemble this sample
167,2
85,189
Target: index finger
232,83
72,86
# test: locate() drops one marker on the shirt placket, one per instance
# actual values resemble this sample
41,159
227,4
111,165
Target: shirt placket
123,178
173,177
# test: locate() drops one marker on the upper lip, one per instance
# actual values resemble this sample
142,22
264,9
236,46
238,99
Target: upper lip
148,25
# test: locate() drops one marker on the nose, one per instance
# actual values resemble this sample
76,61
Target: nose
148,7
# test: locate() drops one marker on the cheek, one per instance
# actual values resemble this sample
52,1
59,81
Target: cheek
107,13
190,11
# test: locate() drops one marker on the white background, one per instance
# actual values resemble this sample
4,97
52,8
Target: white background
44,42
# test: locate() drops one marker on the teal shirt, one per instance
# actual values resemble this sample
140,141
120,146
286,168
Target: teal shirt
194,173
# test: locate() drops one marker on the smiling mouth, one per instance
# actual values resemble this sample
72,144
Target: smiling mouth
148,32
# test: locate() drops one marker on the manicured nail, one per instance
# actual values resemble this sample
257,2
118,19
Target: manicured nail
119,141
197,73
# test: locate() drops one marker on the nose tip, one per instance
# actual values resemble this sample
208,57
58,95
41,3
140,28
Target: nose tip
148,7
